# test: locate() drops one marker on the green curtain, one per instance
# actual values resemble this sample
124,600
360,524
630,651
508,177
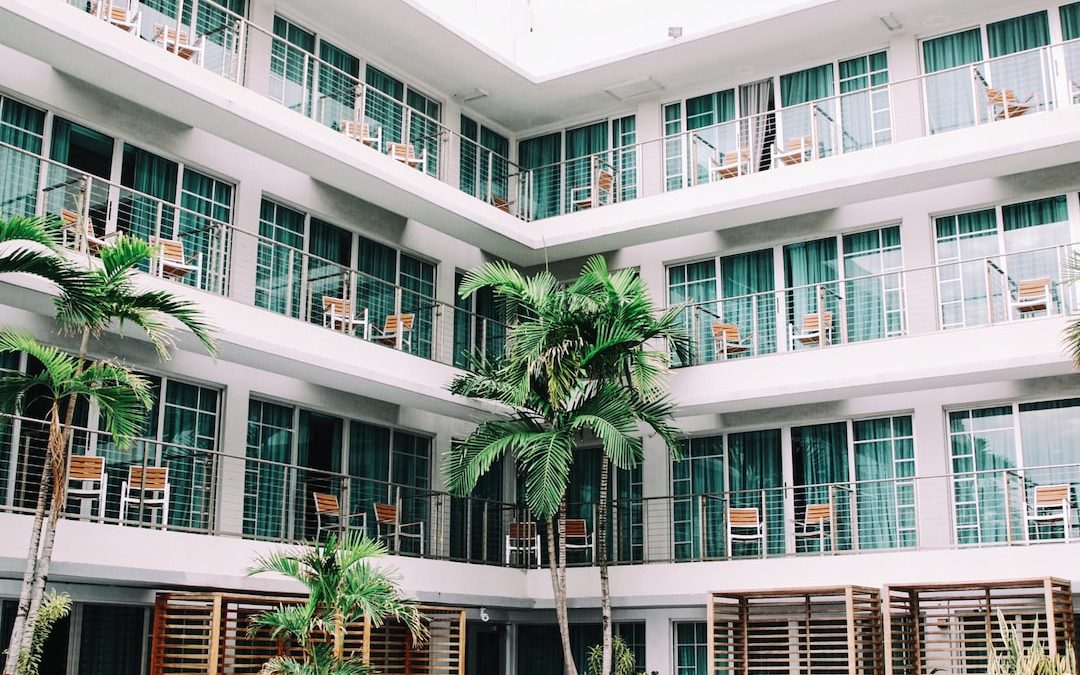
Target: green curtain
864,102
338,80
375,285
540,157
691,648
675,154
982,440
23,127
279,259
747,282
425,132
151,215
1070,21
484,163
189,420
369,468
885,454
820,460
206,205
810,273
472,161
950,95
626,541
706,114
582,146
1031,230
873,298
269,438
145,449
624,155
476,521
1050,438
464,340
111,640
698,503
696,283
417,279
292,69
328,266
1025,71
382,105
756,479
805,86
86,152
539,650
1018,34
963,241
410,472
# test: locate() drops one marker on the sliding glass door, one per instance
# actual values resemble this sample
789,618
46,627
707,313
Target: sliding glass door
748,301
874,284
950,88
23,127
983,448
698,500
695,283
292,66
809,114
866,118
819,455
884,451
811,272
1016,63
755,480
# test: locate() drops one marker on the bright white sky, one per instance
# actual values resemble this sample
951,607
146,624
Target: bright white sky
548,36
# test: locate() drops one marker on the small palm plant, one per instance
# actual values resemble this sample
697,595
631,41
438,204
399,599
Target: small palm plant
622,659
343,589
1019,659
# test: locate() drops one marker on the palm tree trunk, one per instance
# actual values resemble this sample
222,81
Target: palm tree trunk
28,575
558,587
602,559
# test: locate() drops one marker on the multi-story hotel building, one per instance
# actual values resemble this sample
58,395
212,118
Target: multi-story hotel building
870,208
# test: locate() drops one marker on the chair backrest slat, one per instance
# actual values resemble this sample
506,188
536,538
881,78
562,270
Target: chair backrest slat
521,530
605,180
726,331
817,321
818,513
1051,494
85,467
743,516
326,503
1029,288
386,513
148,478
336,306
575,527
172,250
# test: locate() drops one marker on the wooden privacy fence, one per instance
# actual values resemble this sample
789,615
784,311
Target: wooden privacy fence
206,634
797,631
952,627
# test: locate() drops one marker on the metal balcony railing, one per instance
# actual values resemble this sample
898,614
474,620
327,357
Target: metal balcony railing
988,91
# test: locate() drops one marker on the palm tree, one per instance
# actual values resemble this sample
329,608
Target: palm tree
578,361
1072,331
90,300
343,588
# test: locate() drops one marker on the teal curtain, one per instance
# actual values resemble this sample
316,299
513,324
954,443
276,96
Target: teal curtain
145,449
810,273
383,104
802,87
675,151
339,76
539,650
583,492
479,330
190,420
464,340
476,521
1017,63
540,157
472,161
417,279
484,163
950,95
873,297
864,102
698,503
425,132
150,214
23,127
582,159
705,115
328,273
884,458
1070,21
410,473
627,538
377,264
756,479
292,70
820,460
318,460
1018,34
747,282
270,439
87,153
111,640
624,155
279,260
963,241
369,469
691,648
982,440
695,283
1050,438
207,207
1031,230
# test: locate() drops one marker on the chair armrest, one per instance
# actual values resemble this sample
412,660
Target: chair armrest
415,522
575,191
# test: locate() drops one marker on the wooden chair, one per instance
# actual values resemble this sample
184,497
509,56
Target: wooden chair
125,16
728,340
1032,295
177,42
816,329
83,470
406,154
578,536
745,524
1003,104
363,132
1049,504
328,514
171,262
599,192
797,151
729,165
500,203
338,315
525,539
387,516
817,522
146,487
83,231
397,333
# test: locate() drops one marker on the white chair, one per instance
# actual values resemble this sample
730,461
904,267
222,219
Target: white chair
397,332
87,481
797,151
146,487
745,524
816,330
1049,504
124,15
177,42
363,132
578,536
729,342
817,523
328,514
406,154
1032,295
729,165
338,315
525,539
171,262
388,516
600,191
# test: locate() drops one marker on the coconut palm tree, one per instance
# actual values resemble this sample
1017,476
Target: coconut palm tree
584,359
1072,331
343,588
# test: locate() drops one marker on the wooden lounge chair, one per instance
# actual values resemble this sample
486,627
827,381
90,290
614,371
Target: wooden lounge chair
797,151
1049,504
124,15
1003,104
817,522
388,516
171,262
1032,295
176,42
578,536
328,513
500,203
816,329
729,165
363,132
599,192
83,473
146,487
728,340
338,315
745,524
83,232
523,538
397,333
406,154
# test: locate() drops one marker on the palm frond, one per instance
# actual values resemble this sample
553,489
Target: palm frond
545,459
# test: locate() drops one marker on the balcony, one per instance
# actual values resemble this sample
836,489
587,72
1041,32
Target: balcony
215,493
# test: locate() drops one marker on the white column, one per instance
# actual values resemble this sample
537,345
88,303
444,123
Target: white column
932,453
257,57
244,245
233,445
920,284
649,130
906,103
659,645
656,485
